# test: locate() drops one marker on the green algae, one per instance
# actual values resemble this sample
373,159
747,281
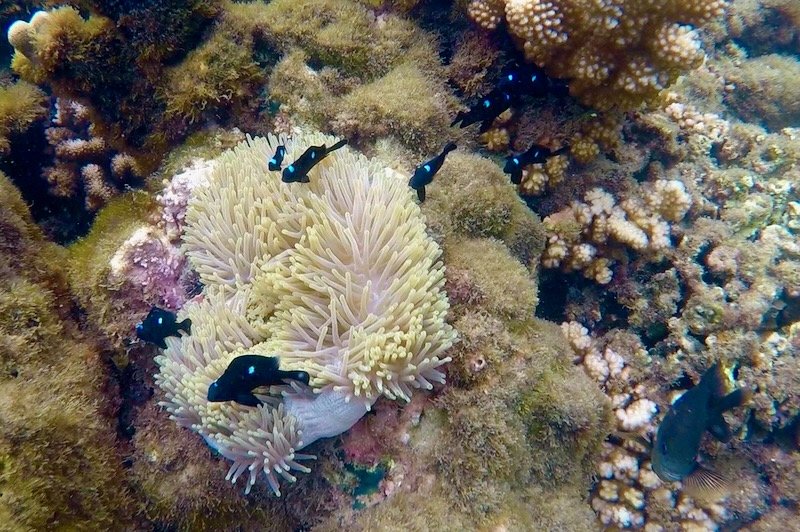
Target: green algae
59,462
89,262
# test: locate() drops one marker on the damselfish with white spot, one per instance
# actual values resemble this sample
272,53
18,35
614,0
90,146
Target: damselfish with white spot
297,172
245,373
159,324
677,441
424,173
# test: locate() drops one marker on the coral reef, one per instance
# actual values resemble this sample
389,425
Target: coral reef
131,259
615,54
510,441
766,91
718,288
93,259
669,243
406,104
765,26
145,93
115,63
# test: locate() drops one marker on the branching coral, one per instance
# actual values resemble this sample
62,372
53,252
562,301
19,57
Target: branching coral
615,53
115,62
83,162
579,233
336,277
721,291
629,494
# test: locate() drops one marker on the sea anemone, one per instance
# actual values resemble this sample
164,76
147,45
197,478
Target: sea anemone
336,277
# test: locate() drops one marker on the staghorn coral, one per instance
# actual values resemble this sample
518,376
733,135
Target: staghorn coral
582,237
616,54
82,162
312,274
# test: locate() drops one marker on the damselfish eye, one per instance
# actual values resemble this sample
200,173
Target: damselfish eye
663,446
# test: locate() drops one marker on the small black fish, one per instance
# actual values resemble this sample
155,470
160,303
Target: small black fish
423,175
246,373
159,324
677,442
486,110
297,172
534,155
558,87
277,159
524,80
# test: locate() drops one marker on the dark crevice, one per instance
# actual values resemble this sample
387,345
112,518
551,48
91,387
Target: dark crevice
554,288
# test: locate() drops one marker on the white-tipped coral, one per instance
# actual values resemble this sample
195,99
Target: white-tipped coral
584,235
337,277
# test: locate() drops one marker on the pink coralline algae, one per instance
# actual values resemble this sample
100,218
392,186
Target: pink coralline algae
151,262
151,259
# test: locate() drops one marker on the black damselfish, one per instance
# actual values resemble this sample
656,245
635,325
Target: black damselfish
423,175
486,110
677,442
525,80
159,324
275,163
245,373
534,155
297,172
515,83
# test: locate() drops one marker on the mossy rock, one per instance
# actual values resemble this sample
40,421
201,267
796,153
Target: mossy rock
501,285
338,33
408,103
59,464
89,259
471,196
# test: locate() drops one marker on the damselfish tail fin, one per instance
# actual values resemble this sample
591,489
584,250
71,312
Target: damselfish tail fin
562,149
336,146
738,397
460,117
186,325
300,376
707,485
